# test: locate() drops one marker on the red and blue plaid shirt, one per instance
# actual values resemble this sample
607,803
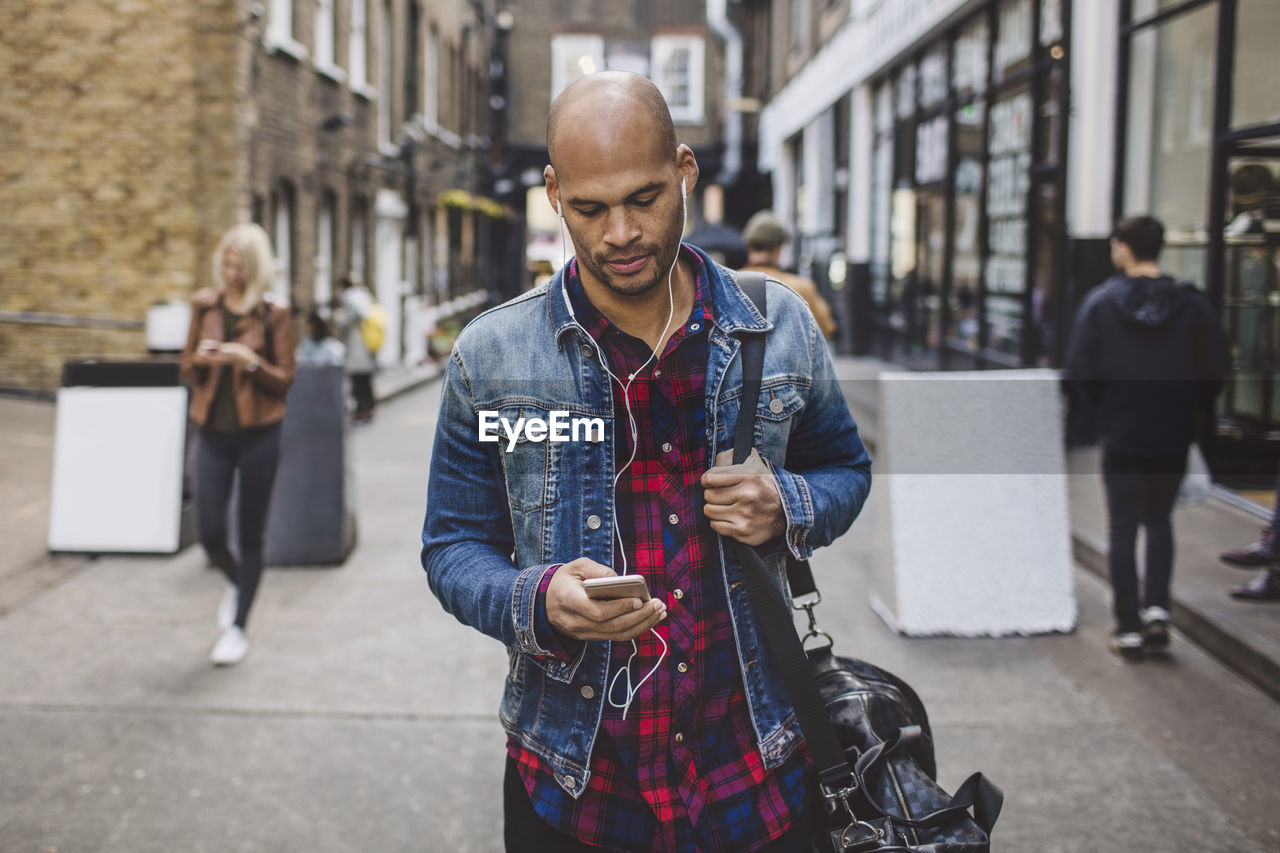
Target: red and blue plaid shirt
682,771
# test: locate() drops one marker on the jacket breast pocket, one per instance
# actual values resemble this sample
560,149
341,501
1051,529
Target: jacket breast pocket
524,451
779,405
781,401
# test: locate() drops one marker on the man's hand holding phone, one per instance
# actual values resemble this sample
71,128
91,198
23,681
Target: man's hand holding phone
574,613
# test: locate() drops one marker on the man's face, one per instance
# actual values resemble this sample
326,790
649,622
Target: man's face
620,194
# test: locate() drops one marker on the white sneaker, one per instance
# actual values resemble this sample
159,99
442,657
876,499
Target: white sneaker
231,647
1127,644
228,606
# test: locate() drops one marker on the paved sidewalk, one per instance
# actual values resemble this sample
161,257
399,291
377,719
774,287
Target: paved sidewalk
365,717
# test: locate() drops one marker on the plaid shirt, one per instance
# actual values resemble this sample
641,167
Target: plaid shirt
682,772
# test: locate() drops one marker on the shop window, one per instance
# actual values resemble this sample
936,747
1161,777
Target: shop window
1008,185
970,62
1251,303
574,56
881,185
966,260
905,88
1170,108
1255,95
933,77
1051,24
1013,38
678,70
1143,9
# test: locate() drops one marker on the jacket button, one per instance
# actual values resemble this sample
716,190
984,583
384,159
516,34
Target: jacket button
586,351
683,667
593,521
679,737
775,405
588,692
569,782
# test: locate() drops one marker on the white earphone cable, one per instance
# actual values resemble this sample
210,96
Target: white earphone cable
630,690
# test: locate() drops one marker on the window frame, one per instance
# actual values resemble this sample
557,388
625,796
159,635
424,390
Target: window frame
661,49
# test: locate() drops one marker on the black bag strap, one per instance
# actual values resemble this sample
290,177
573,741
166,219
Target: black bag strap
772,611
752,354
799,575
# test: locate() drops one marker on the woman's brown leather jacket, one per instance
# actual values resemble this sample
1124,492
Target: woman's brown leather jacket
260,393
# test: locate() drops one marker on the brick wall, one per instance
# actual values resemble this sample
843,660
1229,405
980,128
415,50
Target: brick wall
114,167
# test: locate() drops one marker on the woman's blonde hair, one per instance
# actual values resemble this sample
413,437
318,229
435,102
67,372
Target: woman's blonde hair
253,246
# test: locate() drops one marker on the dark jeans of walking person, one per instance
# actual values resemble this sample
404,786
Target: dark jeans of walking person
254,454
1141,491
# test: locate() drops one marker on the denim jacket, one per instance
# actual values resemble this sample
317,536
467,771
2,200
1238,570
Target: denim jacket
500,514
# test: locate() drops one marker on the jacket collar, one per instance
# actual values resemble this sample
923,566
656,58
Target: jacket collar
733,310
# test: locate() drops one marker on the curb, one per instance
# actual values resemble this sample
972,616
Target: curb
1228,647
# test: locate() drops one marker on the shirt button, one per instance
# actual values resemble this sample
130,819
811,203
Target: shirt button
588,692
593,521
657,374
693,327
684,667
678,593
679,737
666,448
673,518
775,405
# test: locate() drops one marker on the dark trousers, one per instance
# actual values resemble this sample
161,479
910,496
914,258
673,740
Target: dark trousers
1141,491
254,455
362,390
525,832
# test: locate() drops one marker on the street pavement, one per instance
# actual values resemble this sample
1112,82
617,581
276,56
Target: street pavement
365,717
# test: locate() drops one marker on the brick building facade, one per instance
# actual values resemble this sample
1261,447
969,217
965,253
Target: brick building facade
134,132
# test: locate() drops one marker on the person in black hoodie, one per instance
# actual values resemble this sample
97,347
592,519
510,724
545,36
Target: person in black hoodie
1148,356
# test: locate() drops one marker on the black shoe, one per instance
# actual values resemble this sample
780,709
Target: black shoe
1265,587
1260,553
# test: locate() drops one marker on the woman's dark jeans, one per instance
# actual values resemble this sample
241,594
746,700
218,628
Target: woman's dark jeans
254,454
1141,491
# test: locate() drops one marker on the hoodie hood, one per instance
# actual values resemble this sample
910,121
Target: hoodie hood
1143,301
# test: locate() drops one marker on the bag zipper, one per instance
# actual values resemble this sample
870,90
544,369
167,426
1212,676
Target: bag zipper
897,786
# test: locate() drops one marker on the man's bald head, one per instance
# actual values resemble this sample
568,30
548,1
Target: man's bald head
605,97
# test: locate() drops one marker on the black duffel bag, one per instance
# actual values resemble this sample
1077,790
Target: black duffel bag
896,803
866,729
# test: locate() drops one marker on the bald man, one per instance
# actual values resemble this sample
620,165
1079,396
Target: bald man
585,432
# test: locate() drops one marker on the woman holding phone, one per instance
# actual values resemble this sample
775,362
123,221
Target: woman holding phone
239,361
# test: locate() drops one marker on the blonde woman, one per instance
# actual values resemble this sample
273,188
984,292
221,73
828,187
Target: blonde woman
239,361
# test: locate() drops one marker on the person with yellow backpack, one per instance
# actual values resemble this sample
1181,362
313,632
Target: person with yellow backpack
363,327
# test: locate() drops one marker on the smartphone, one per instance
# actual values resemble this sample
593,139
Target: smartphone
620,586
